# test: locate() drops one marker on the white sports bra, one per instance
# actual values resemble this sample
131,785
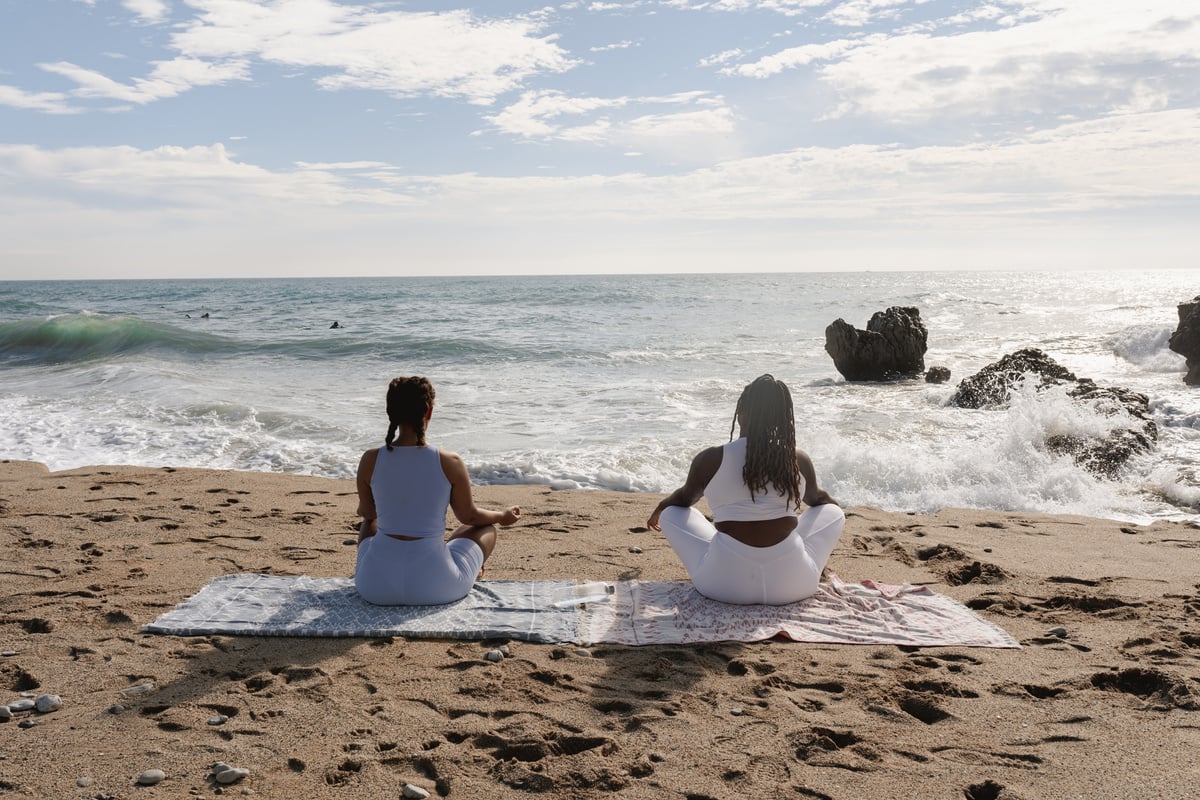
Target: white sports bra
729,498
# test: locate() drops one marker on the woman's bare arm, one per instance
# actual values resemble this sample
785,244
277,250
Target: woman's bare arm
461,501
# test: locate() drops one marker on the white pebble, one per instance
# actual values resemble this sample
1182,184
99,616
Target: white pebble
5,713
494,655
504,649
231,775
219,719
151,777
7,653
23,704
415,792
635,550
46,703
737,712
83,783
141,688
583,653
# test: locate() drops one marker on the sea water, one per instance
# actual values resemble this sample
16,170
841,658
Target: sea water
605,382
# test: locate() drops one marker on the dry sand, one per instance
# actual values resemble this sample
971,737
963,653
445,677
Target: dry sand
1106,710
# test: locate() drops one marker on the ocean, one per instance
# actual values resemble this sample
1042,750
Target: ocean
599,382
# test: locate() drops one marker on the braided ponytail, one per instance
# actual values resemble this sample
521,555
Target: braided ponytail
408,402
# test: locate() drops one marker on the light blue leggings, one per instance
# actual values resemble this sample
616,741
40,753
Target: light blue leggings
425,572
724,569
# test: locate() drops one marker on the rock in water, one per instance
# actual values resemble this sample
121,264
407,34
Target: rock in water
892,346
937,375
993,385
1186,340
1102,455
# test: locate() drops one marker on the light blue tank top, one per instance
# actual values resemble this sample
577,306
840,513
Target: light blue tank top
729,496
411,492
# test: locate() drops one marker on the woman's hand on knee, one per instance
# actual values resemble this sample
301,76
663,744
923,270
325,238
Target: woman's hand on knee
510,516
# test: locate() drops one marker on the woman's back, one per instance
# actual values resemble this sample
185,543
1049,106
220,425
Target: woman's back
411,491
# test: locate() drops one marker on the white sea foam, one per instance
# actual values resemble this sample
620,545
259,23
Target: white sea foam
1146,346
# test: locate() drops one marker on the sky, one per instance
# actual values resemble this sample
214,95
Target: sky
240,138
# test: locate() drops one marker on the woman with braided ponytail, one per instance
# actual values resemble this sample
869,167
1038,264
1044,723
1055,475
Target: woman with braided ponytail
404,489
759,548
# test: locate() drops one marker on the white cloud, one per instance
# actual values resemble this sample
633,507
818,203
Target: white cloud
624,44
167,79
856,13
1057,55
148,10
448,54
47,102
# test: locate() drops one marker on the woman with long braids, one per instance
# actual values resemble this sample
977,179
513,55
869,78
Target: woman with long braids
404,489
759,548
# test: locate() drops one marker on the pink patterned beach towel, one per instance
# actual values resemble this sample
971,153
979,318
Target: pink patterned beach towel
672,612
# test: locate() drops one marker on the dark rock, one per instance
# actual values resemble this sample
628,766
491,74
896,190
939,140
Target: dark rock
937,375
1104,455
892,346
993,385
1186,340
1107,455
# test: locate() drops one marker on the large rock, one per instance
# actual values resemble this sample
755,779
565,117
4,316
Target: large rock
1104,455
993,385
893,346
1186,340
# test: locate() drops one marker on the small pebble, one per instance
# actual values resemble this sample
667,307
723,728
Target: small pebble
23,704
46,703
415,792
350,541
219,766
151,777
737,712
494,655
7,653
26,723
231,775
83,783
116,708
635,549
583,653
1061,633
219,719
504,649
5,713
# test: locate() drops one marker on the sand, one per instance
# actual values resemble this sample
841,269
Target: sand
1105,709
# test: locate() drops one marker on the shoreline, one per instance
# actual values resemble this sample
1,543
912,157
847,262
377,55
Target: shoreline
1106,708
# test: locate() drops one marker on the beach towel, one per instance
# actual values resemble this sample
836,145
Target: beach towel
636,613
672,612
280,605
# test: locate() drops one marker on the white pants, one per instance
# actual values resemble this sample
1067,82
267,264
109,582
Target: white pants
724,569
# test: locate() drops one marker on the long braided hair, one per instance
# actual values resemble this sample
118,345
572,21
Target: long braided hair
768,423
408,401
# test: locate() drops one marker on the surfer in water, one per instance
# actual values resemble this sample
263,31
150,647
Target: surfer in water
759,548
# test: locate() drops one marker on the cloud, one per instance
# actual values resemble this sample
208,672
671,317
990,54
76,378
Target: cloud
1124,161
857,13
1048,56
47,102
148,10
450,54
167,79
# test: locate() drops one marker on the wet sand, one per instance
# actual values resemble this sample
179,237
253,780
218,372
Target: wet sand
1100,702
